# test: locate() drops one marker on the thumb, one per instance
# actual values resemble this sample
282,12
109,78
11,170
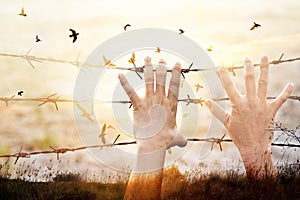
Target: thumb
216,110
178,140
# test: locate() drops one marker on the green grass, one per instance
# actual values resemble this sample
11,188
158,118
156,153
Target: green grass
190,185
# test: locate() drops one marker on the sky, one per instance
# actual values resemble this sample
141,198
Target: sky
223,24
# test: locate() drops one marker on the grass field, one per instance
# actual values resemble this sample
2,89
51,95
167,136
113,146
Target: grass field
192,185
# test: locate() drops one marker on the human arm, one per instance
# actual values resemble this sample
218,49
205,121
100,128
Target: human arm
154,129
249,123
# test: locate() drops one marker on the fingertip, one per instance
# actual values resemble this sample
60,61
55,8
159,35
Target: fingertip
290,87
264,59
208,103
162,61
120,76
147,60
246,60
177,67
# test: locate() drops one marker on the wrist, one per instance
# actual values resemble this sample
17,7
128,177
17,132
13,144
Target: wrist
258,162
149,161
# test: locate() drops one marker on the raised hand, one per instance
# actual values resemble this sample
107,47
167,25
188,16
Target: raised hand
249,123
154,129
155,115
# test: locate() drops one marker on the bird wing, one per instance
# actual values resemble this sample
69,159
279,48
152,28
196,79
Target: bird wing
74,38
73,31
102,137
22,11
111,64
253,27
88,116
81,108
104,59
103,128
132,59
110,126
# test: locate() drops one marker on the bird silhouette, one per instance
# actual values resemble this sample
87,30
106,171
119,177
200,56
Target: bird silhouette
157,50
23,13
125,27
198,86
209,48
255,26
84,113
74,35
20,93
132,59
108,62
37,39
102,134
181,31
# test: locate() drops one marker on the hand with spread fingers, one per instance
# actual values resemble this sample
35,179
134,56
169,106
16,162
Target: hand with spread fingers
155,115
154,128
249,123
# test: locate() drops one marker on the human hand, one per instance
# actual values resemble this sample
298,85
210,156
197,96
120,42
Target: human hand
155,115
249,124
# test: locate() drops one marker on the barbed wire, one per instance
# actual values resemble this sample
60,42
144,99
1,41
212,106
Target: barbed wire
58,151
54,99
137,70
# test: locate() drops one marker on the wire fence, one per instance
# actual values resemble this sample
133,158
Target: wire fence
214,141
54,99
137,70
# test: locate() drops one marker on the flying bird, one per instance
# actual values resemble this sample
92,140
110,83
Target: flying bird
198,86
20,93
108,62
102,134
84,113
157,50
125,27
37,39
74,35
132,59
209,48
255,26
181,31
23,13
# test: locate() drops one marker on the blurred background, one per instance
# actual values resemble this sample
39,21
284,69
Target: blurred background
222,25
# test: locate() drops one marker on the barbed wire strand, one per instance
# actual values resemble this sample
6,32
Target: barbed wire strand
81,65
56,99
64,150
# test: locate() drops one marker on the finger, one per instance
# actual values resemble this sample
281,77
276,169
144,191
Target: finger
161,72
263,80
178,140
217,111
149,77
174,85
135,99
282,97
250,88
228,85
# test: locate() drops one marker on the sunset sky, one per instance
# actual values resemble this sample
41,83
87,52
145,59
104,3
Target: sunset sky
223,24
